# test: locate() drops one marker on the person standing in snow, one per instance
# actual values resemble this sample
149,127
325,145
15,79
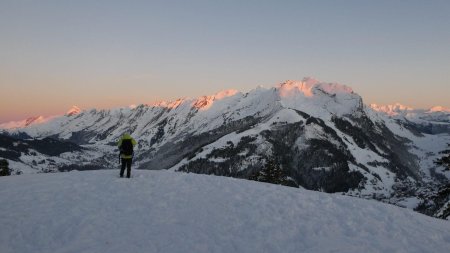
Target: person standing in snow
126,144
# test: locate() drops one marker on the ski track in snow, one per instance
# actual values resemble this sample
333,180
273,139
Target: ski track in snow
163,211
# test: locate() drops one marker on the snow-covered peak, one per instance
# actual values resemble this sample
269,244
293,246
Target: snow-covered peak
438,109
224,94
291,87
205,102
75,110
391,110
319,98
168,104
202,103
308,86
34,120
421,116
25,123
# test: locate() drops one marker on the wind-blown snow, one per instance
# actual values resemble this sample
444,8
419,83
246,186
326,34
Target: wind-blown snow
161,211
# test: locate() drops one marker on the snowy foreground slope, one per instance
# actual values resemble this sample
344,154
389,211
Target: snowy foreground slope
163,211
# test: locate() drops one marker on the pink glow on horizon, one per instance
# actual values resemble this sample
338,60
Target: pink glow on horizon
36,120
26,122
307,87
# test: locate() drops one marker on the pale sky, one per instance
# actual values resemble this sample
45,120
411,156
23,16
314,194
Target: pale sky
103,54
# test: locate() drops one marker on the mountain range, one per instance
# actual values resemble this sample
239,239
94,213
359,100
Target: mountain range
321,135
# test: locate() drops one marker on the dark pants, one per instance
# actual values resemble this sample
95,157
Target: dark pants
127,163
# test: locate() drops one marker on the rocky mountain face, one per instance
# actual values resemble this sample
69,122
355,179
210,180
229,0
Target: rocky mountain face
321,135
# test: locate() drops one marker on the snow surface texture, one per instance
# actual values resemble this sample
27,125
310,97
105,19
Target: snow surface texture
163,211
